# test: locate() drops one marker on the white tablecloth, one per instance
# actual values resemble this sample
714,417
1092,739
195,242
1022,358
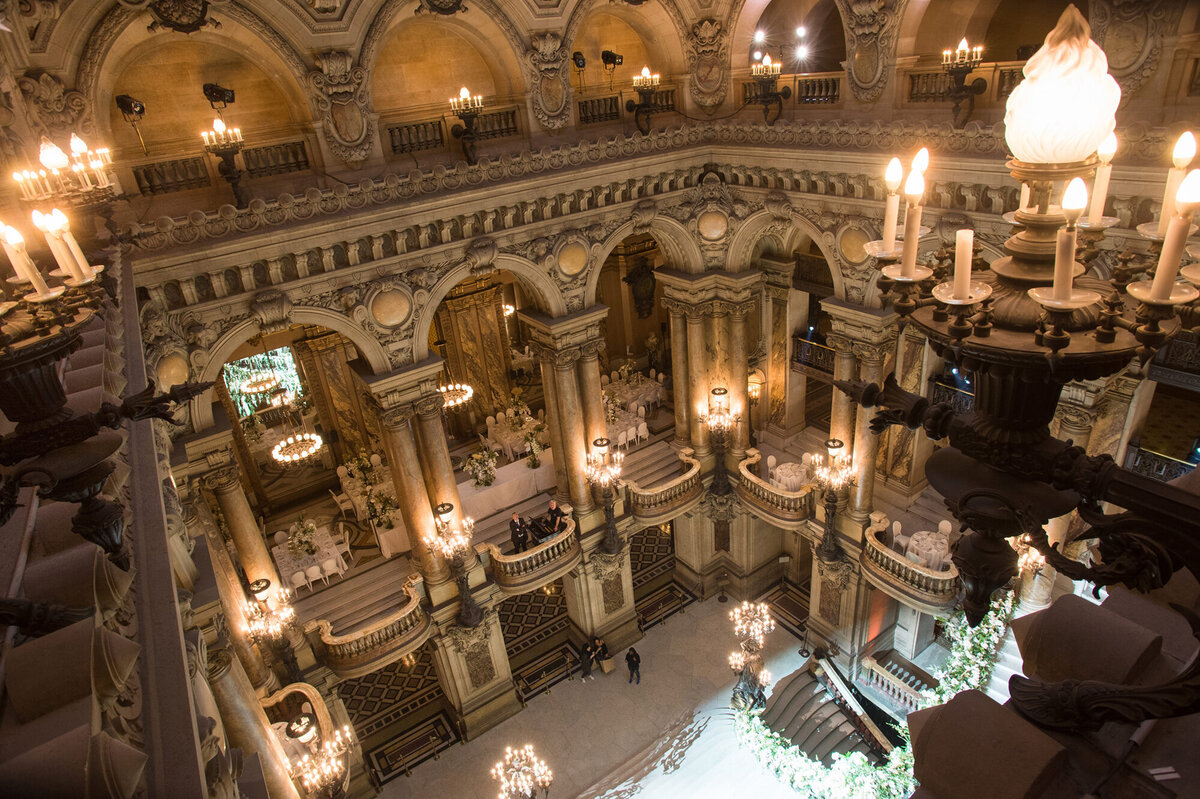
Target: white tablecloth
636,390
391,540
929,549
792,476
515,482
626,421
289,564
509,437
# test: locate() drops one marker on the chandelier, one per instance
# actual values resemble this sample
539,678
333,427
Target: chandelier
267,616
456,395
603,471
453,543
297,447
79,178
259,384
834,472
322,770
521,773
752,620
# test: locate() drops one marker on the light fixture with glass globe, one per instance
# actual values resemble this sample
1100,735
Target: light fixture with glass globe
522,773
603,470
453,543
322,771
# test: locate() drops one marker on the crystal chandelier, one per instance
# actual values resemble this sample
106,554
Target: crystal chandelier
833,473
297,447
521,773
453,543
456,395
268,617
603,471
80,178
322,770
752,620
259,384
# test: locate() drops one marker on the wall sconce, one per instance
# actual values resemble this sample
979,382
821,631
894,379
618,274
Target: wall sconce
958,64
611,61
770,96
466,107
646,85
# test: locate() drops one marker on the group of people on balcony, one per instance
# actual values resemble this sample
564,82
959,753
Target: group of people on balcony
538,530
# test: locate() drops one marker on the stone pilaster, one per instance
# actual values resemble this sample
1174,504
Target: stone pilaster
866,445
252,550
475,675
698,377
434,452
739,376
600,601
845,367
575,443
554,423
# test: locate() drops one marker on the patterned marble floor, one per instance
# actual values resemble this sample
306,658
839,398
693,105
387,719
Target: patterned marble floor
671,736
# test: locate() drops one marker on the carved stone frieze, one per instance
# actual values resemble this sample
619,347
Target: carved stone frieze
550,77
1132,33
339,90
871,27
55,110
720,507
839,572
707,51
471,639
273,310
604,566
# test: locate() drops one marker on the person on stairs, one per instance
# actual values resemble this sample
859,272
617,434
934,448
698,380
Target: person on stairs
519,533
634,662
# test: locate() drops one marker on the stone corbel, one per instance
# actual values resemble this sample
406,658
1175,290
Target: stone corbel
480,256
707,51
838,571
549,76
339,88
273,310
871,27
643,215
604,565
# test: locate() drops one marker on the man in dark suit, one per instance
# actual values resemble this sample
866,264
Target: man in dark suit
519,532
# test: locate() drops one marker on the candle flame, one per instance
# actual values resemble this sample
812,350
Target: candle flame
13,236
645,72
1185,150
894,175
39,220
766,61
963,44
464,93
920,161
219,125
1189,192
914,187
1107,148
1076,196
78,146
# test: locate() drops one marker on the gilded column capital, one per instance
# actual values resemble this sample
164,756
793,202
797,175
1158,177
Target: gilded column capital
842,345
224,478
872,353
397,416
429,405
677,307
590,351
1074,419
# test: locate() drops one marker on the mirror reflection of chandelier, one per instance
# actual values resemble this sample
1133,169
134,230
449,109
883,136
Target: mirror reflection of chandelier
455,395
297,447
259,384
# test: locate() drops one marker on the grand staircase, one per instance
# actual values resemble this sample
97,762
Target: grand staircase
802,711
374,593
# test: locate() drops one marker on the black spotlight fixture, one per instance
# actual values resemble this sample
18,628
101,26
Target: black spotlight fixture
578,62
133,110
611,61
217,96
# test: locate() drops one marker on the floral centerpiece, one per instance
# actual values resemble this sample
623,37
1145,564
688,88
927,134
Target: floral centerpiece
380,505
302,539
252,428
534,447
360,467
623,371
517,403
613,408
482,467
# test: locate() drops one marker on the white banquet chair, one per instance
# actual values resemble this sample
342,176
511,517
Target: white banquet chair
643,432
641,411
298,581
342,473
631,436
342,544
604,380
377,461
652,372
313,573
771,461
280,537
491,420
343,503
622,440
614,375
332,566
661,377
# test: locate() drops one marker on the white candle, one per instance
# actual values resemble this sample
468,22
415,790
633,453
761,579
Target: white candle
891,178
964,241
77,253
14,244
1186,199
1105,152
1024,202
18,265
914,189
1181,156
1064,263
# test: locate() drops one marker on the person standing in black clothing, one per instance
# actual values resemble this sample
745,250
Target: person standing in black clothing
555,518
585,661
519,533
634,661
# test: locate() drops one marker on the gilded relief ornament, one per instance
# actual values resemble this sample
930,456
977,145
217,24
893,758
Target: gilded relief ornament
181,16
340,90
446,8
1132,34
546,60
871,27
57,111
707,50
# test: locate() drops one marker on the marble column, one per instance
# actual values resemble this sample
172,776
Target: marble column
246,724
431,439
680,377
591,393
243,526
573,429
844,368
866,445
411,492
558,450
739,376
698,378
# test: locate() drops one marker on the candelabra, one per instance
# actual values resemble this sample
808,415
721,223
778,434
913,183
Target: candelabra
752,623
958,64
753,392
455,395
603,471
321,771
646,85
467,108
521,773
79,179
1040,326
454,545
769,94
721,422
268,620
832,477
225,143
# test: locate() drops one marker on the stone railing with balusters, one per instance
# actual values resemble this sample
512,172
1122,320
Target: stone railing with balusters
653,505
821,88
1155,465
813,355
887,679
932,84
524,571
275,159
776,505
359,652
924,589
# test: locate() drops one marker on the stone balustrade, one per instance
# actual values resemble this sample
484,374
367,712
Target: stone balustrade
527,571
655,505
918,587
891,684
789,509
362,651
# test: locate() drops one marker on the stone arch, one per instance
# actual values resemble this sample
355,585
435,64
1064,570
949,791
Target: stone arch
678,247
763,223
534,279
646,20
370,349
118,42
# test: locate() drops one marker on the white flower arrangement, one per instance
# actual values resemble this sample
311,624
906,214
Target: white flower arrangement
360,468
613,408
534,447
301,541
972,658
482,467
379,508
